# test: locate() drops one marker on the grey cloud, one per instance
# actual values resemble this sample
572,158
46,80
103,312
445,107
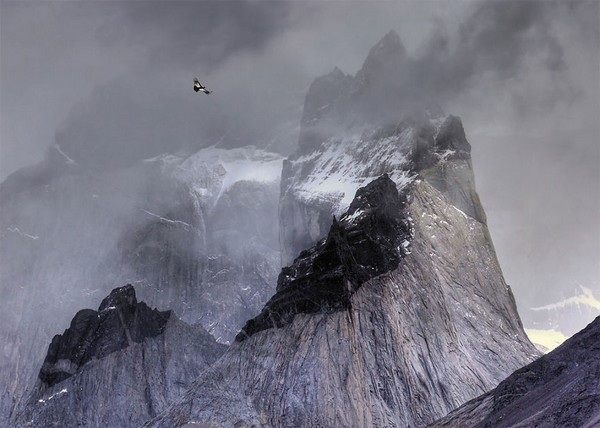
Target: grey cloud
505,52
199,32
112,71
499,35
510,69
151,109
497,42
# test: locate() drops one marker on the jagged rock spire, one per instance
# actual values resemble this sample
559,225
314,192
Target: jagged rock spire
365,242
119,322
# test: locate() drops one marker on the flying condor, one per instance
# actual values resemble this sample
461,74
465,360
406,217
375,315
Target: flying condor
199,88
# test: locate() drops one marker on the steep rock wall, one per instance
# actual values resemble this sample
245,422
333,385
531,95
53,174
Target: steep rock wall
415,343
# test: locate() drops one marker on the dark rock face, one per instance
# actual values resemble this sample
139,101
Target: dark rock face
557,390
450,137
119,322
367,241
119,366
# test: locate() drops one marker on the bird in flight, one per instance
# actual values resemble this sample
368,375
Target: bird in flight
199,88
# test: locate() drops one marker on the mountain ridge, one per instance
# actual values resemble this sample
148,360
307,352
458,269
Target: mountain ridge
425,327
560,388
117,366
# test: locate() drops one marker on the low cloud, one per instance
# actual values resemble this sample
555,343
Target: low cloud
113,81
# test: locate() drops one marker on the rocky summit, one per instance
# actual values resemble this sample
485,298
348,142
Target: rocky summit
119,322
118,366
367,241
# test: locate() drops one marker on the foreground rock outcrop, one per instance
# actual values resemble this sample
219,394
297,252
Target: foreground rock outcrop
119,322
117,366
559,389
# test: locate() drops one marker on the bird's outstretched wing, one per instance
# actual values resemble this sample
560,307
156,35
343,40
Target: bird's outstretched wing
198,87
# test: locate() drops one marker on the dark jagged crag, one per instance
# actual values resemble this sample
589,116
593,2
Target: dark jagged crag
367,241
117,367
119,322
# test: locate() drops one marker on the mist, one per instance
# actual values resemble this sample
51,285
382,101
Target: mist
110,84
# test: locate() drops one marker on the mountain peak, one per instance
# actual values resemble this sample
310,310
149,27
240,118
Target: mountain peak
337,72
389,49
368,240
119,322
390,40
121,297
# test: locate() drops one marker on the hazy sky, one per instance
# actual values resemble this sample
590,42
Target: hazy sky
111,82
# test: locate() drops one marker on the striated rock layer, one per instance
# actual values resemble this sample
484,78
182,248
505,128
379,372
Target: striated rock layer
117,366
560,389
414,343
